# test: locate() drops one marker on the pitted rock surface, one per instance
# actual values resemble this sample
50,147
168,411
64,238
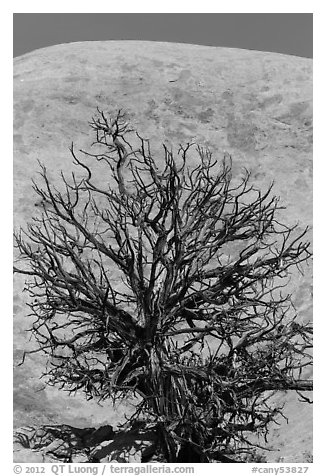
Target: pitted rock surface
256,106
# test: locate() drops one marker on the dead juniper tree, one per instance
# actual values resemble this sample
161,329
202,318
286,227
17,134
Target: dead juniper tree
169,282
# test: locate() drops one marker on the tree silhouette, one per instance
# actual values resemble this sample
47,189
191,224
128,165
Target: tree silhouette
169,282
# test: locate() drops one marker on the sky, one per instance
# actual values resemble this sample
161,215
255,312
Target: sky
287,33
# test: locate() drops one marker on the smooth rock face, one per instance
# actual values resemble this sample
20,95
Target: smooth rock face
256,106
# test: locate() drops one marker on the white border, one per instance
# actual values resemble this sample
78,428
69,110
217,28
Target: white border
168,6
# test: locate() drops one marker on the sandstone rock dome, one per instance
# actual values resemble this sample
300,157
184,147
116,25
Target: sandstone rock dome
257,106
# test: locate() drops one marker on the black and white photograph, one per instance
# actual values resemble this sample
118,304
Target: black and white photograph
162,215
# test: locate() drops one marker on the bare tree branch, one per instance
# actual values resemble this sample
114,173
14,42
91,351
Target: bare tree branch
131,283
